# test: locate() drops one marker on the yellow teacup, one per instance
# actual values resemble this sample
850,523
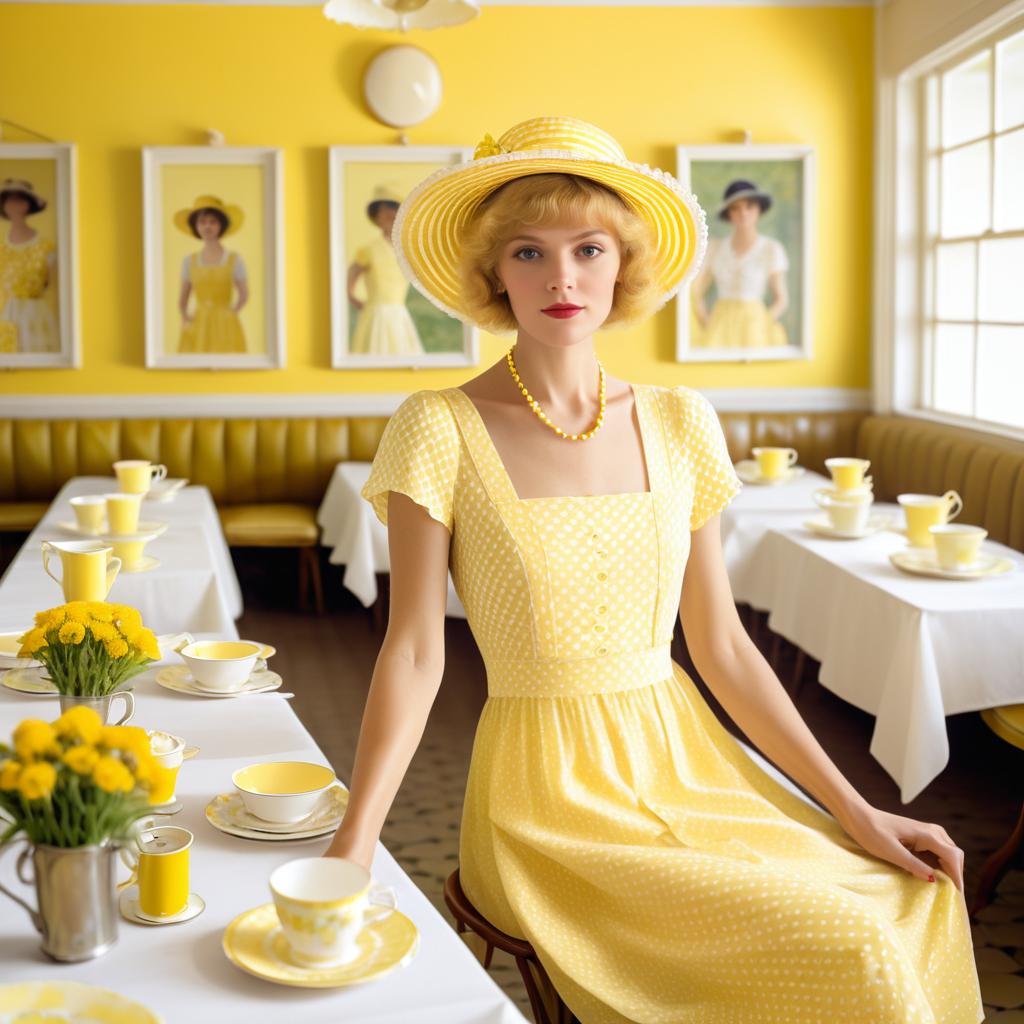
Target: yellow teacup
773,462
130,552
323,903
847,473
89,510
168,752
123,512
160,866
135,475
957,544
925,510
88,568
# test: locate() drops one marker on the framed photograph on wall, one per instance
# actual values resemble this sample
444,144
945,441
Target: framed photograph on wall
39,317
377,317
214,257
751,298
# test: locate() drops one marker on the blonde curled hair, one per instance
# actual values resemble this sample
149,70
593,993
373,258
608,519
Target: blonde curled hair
549,198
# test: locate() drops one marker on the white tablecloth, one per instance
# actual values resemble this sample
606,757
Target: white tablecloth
194,587
181,970
358,540
908,650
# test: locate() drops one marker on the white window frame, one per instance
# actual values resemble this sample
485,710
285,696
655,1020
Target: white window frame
902,263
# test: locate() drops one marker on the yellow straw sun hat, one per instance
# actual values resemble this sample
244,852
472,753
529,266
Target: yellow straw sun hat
233,213
430,222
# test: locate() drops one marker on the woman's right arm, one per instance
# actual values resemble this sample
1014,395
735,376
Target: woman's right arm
406,677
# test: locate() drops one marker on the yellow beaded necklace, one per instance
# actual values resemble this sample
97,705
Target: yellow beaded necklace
543,416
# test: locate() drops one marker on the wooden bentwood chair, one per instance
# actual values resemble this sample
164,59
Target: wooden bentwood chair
546,1004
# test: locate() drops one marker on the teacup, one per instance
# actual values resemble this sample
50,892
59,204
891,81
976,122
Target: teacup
89,511
773,462
131,551
957,544
123,512
222,665
168,751
847,512
88,568
847,473
323,903
159,863
282,791
925,510
134,476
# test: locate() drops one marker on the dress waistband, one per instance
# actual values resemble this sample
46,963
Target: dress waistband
576,677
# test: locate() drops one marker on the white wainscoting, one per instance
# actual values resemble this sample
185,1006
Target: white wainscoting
383,403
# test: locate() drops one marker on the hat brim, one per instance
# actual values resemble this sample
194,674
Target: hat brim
233,213
761,198
433,217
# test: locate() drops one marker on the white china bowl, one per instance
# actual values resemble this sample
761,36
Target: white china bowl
221,665
282,791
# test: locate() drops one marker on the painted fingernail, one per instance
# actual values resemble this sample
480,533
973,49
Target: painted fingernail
931,878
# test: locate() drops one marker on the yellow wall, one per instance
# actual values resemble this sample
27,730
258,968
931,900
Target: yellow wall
113,78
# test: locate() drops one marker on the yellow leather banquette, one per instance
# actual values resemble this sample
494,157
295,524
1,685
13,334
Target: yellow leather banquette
268,476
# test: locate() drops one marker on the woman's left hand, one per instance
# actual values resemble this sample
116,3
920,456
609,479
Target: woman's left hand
897,839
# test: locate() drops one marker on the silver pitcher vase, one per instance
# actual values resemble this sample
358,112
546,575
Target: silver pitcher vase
77,915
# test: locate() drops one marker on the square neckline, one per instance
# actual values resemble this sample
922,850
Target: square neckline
492,451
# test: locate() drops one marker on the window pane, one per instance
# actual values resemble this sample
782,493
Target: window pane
1010,82
1000,371
965,190
954,369
1009,212
966,100
1001,280
954,281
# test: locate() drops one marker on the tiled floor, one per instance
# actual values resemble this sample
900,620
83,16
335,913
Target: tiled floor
328,662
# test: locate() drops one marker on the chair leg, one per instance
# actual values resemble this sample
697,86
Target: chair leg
997,865
799,664
309,578
540,1013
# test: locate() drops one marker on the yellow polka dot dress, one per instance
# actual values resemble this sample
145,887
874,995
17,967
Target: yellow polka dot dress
661,875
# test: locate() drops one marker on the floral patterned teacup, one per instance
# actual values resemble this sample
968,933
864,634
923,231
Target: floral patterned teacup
323,903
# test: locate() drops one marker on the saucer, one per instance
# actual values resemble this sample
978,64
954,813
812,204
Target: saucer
144,564
71,1001
171,807
823,525
146,531
128,904
255,943
178,677
227,813
750,473
922,562
29,680
71,526
165,490
11,660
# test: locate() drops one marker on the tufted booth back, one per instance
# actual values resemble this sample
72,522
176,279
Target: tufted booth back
252,461
241,461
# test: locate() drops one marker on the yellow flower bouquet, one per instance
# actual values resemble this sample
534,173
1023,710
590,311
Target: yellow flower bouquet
75,781
90,648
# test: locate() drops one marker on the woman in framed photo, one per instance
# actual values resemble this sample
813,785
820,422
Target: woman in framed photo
384,324
610,819
28,271
745,266
214,275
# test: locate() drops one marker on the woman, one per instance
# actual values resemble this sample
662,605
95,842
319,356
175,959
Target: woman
28,269
213,274
743,266
609,818
384,324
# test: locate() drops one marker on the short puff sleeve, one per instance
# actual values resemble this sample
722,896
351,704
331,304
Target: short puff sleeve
418,455
705,453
